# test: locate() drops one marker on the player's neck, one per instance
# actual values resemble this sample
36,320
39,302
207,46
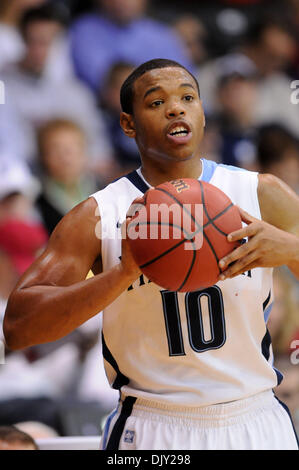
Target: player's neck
156,173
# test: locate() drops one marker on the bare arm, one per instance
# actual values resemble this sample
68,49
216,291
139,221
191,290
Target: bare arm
53,297
272,241
280,207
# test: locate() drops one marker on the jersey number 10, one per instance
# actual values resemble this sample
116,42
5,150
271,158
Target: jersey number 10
194,320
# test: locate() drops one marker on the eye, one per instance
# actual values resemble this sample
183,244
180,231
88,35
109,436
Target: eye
188,98
156,103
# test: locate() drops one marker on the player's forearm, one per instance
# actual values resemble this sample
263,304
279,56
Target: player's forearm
41,314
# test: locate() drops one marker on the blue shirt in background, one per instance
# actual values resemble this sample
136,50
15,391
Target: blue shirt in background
97,43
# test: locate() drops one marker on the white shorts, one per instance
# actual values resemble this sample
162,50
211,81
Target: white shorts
260,422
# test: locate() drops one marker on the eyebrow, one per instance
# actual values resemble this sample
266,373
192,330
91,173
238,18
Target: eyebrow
187,84
157,88
151,90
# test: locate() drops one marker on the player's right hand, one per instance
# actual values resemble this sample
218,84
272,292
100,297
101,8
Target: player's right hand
128,263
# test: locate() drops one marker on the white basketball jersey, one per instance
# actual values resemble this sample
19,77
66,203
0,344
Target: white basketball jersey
196,348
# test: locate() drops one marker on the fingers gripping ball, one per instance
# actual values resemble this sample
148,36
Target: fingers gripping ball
178,233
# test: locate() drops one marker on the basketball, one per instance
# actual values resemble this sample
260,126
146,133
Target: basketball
178,233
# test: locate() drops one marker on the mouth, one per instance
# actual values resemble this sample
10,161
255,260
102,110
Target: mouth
179,132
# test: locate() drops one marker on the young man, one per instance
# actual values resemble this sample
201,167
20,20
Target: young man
172,395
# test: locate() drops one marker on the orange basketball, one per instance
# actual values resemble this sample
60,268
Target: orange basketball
178,233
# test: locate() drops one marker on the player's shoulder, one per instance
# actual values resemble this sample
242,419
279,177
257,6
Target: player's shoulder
268,182
212,168
82,215
77,231
271,189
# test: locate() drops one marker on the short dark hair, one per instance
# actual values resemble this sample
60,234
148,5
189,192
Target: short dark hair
269,21
127,89
272,142
12,434
48,12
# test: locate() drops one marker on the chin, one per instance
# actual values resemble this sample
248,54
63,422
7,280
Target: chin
182,156
172,154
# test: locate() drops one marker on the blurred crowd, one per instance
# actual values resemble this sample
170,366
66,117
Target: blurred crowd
62,63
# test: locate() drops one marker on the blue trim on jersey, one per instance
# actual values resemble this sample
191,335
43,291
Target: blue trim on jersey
279,375
208,170
232,168
266,342
137,181
120,378
265,303
210,166
119,426
267,312
107,426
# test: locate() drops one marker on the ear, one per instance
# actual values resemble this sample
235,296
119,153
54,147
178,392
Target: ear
127,124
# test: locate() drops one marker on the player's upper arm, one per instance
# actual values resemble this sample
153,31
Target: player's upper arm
279,204
71,252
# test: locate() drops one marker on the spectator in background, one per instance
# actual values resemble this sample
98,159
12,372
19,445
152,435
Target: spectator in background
12,438
125,149
121,31
11,43
237,96
278,153
288,390
22,235
65,178
283,322
59,65
271,46
293,6
32,98
194,35
8,280
270,50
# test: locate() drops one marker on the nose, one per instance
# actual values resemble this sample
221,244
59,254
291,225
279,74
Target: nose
175,109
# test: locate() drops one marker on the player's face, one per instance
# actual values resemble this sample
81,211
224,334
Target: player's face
168,118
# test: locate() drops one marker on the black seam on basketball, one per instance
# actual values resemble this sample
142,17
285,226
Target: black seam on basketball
190,268
169,224
180,204
214,252
206,237
200,227
145,198
150,222
162,254
211,220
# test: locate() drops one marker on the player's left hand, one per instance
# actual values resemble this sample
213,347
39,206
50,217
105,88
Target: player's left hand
267,246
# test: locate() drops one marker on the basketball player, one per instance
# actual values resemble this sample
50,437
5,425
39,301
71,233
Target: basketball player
179,387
